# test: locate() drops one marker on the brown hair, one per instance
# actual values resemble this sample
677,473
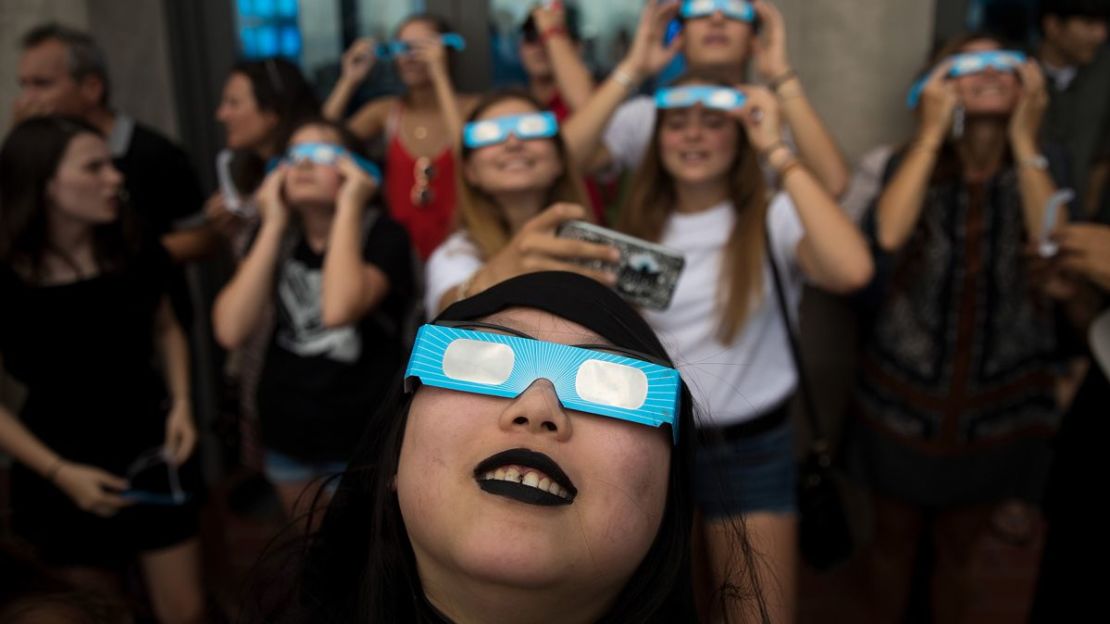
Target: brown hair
653,199
949,166
479,214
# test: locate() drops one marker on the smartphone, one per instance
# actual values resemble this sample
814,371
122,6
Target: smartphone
647,273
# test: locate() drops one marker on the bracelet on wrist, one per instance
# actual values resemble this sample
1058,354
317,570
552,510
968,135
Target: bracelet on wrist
791,165
553,31
782,79
624,78
766,153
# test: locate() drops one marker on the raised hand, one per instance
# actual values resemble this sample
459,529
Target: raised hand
647,55
1025,123
358,60
769,48
938,105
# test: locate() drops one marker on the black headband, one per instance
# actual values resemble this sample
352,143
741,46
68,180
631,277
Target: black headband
570,296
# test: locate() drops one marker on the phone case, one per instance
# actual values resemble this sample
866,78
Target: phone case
647,273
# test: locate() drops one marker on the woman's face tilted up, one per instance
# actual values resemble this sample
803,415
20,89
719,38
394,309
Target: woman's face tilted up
607,484
514,165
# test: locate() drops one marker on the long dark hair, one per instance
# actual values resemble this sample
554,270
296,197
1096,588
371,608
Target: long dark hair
29,159
481,217
280,88
360,566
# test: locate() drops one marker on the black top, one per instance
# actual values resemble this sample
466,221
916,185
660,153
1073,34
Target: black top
160,180
162,189
86,352
319,385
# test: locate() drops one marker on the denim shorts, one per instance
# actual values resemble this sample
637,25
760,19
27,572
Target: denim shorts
281,468
747,474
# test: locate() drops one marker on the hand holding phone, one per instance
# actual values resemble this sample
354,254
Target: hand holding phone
647,273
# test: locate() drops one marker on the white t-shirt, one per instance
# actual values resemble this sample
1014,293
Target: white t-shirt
739,381
456,259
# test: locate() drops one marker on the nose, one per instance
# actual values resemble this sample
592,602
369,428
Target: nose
537,411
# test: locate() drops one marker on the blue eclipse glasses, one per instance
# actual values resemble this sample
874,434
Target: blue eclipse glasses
971,63
524,127
732,9
328,154
720,98
585,379
395,48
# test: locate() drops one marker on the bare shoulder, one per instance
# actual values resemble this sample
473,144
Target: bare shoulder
369,121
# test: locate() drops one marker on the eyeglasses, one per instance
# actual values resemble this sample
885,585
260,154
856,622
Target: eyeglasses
395,48
524,127
422,173
327,154
586,378
971,63
720,98
732,9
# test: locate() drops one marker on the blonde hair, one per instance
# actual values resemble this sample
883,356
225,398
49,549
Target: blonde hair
653,198
478,214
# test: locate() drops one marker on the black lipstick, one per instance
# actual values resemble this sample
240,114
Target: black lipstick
518,491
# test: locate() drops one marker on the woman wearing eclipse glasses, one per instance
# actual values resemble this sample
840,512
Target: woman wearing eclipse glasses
955,397
338,275
418,125
536,468
516,187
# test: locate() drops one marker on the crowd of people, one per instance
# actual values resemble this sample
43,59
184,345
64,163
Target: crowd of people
461,417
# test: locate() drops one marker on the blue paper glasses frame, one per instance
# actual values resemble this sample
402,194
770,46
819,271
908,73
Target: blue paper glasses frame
719,98
395,48
971,63
328,154
585,378
732,9
497,130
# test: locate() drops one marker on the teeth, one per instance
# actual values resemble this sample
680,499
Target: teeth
528,477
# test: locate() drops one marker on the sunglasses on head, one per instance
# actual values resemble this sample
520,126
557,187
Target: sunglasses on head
596,379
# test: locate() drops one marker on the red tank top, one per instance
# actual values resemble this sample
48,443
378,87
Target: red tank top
420,191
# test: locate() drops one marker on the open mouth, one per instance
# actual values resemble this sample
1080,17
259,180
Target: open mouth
525,476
